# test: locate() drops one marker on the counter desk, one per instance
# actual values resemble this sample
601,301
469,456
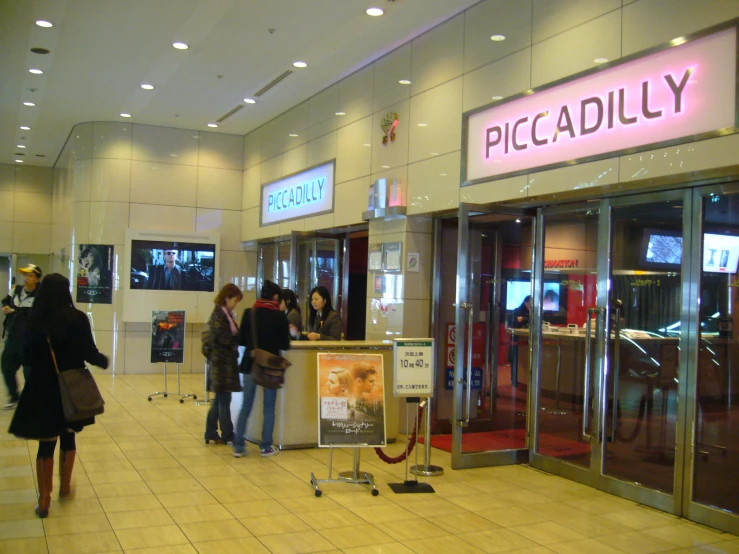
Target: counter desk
296,409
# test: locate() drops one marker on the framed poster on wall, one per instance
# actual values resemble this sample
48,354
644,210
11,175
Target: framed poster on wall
95,274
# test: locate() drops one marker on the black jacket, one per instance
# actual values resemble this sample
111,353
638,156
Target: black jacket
158,281
15,323
273,334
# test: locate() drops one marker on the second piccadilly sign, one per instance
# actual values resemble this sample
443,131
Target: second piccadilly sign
683,91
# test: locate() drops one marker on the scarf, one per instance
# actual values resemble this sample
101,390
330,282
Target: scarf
264,304
231,320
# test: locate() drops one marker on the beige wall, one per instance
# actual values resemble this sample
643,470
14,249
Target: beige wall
114,176
25,209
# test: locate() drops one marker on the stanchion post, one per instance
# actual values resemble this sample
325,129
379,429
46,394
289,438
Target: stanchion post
427,470
205,388
179,392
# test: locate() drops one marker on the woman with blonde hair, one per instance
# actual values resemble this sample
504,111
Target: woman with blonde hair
337,383
223,367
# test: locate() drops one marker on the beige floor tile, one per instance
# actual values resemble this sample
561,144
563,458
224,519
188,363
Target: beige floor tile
686,535
18,497
312,504
114,477
75,524
170,549
17,483
547,533
498,540
177,499
121,489
157,517
389,548
150,475
23,546
457,524
296,543
355,536
445,490
232,546
330,519
270,525
79,492
16,471
84,543
509,517
156,463
432,507
372,514
207,531
215,469
410,529
226,496
256,508
358,499
641,518
479,502
636,542
22,529
601,504
196,514
150,537
728,547
289,491
556,511
442,545
15,512
585,546
491,485
100,467
115,504
189,484
69,507
594,526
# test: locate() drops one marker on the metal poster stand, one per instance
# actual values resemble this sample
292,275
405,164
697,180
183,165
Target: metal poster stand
411,486
165,393
205,389
355,476
427,470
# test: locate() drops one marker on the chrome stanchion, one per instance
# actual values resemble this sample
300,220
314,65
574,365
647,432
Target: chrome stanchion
179,393
164,393
427,469
206,396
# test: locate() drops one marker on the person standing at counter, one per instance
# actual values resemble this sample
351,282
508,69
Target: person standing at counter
289,305
273,335
521,314
323,323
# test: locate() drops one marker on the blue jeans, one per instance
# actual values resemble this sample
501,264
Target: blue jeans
220,412
268,425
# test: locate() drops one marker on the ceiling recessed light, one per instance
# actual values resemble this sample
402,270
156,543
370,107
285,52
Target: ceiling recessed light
518,221
292,135
250,101
147,86
497,38
601,60
125,115
442,174
30,104
374,12
212,125
300,64
404,82
497,98
19,154
36,71
340,113
423,124
366,144
434,153
25,127
42,23
20,145
385,167
40,155
37,50
19,161
180,45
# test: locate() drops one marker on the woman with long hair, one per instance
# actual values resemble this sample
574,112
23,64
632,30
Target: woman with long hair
323,322
223,366
54,325
289,305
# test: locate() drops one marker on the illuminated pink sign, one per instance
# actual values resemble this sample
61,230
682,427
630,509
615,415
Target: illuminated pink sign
679,92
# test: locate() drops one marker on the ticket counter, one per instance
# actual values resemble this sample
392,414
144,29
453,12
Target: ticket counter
296,410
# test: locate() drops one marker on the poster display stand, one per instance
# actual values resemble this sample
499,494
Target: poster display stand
168,346
355,476
165,393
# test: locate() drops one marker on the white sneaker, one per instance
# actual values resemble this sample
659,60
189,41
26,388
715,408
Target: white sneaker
10,405
267,452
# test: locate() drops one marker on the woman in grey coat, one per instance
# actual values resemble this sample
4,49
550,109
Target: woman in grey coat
323,323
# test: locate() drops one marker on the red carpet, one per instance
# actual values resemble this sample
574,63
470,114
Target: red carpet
506,440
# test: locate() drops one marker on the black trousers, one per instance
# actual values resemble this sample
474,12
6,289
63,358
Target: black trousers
11,362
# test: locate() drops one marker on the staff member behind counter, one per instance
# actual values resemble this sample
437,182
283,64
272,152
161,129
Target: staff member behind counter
323,322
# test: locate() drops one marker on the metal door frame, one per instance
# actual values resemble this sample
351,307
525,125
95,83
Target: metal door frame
464,314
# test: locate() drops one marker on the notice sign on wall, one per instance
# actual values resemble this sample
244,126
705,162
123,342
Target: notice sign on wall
413,373
351,400
309,192
168,337
683,91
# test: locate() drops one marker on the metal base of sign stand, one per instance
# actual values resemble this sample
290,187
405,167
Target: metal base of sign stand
411,486
164,393
182,396
427,470
205,389
355,476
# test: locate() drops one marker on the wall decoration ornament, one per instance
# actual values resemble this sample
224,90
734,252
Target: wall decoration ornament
388,124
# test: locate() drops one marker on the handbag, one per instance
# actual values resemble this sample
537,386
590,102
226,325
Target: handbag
81,398
267,369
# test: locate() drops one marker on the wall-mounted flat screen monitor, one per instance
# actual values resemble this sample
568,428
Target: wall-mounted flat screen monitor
550,302
517,291
720,253
662,249
165,265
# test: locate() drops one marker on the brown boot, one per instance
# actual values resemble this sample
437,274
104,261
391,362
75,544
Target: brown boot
45,476
66,464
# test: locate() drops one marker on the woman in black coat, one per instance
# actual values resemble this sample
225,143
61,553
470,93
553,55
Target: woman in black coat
223,367
324,323
55,323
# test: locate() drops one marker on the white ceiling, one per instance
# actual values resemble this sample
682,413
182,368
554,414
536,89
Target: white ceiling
102,50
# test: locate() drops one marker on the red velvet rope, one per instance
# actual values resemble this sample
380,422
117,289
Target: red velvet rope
387,459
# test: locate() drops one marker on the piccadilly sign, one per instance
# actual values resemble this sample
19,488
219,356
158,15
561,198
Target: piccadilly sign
682,91
308,193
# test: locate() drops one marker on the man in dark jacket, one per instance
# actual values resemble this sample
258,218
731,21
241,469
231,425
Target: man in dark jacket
273,335
17,308
167,276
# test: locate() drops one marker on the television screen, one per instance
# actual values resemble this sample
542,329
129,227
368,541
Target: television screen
551,297
516,291
664,249
720,253
162,265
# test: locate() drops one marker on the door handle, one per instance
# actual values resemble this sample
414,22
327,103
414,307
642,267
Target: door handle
465,421
586,384
616,364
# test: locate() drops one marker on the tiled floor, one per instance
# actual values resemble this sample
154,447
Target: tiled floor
146,483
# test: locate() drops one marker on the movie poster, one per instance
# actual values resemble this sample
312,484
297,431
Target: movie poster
95,274
168,337
351,400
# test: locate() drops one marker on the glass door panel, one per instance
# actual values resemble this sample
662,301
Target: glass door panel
645,312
